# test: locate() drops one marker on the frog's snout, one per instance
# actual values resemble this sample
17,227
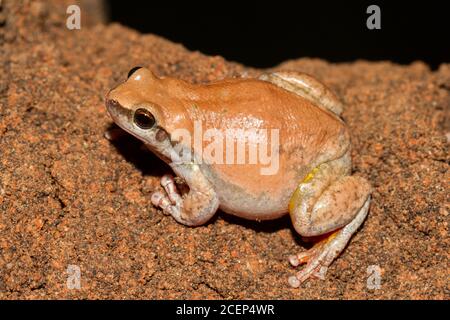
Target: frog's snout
112,104
116,110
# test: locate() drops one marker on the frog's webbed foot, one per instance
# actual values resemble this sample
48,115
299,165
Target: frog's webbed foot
322,254
194,209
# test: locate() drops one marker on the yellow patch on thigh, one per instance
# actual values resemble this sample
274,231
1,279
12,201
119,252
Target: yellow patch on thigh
297,193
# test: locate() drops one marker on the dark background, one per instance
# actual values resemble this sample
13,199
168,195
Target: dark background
262,34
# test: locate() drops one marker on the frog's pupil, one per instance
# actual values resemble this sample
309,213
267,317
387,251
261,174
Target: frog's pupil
144,119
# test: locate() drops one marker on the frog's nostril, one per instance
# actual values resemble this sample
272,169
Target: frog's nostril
116,110
112,104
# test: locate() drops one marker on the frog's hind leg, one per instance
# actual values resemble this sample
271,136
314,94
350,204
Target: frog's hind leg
322,254
327,202
306,86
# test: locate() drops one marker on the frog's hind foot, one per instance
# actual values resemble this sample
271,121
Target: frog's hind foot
322,254
315,259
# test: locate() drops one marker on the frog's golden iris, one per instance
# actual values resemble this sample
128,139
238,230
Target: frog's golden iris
144,119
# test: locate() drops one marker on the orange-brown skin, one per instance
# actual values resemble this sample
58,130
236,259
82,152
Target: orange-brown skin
309,135
313,153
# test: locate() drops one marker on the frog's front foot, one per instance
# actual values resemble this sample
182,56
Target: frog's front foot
194,209
171,201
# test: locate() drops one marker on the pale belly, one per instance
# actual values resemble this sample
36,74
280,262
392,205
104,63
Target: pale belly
245,193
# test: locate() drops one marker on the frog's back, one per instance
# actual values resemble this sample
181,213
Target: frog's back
256,104
307,136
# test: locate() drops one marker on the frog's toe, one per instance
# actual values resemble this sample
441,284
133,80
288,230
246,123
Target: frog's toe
316,267
319,273
170,201
303,257
161,200
168,183
317,259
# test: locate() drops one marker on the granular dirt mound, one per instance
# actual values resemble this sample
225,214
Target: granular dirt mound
68,196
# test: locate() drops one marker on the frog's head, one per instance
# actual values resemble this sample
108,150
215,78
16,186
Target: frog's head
131,108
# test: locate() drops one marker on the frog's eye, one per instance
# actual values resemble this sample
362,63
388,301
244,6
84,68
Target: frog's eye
130,73
143,118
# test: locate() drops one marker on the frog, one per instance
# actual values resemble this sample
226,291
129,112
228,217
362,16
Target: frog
312,183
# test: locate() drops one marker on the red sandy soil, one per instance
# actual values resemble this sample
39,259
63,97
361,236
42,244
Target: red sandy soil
68,196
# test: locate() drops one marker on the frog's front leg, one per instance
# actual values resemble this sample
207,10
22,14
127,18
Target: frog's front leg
306,86
328,202
197,207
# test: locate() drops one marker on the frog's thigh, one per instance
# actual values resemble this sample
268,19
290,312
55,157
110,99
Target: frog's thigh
306,86
327,201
